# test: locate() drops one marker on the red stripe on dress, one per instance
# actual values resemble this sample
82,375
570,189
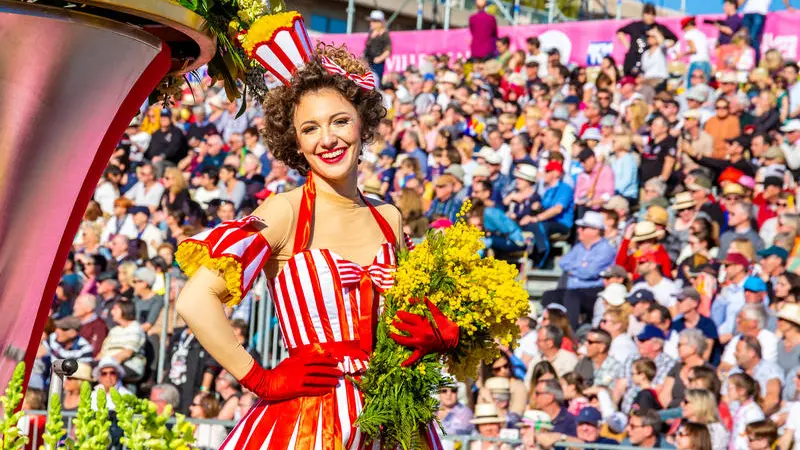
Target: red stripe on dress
319,300
308,324
337,288
290,316
273,292
247,423
351,412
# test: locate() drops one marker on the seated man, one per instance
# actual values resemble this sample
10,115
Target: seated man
556,213
503,235
582,266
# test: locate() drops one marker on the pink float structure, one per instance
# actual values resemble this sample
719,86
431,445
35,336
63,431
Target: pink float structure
71,80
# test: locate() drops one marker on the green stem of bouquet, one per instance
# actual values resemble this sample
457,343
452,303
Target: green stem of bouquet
398,401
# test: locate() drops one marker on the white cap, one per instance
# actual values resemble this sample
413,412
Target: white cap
792,125
490,155
614,294
376,16
593,134
591,219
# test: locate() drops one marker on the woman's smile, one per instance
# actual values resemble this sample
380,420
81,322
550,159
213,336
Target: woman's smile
333,156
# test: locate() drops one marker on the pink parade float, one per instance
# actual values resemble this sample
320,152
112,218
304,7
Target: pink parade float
72,76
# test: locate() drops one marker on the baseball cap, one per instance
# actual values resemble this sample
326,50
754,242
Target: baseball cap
590,415
693,114
592,134
736,259
591,219
696,93
140,209
572,100
744,141
146,275
688,292
774,250
701,183
457,171
554,165
614,294
480,171
627,80
641,295
105,276
390,152
651,332
68,323
376,16
755,284
614,271
617,202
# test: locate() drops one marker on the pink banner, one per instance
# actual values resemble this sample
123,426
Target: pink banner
584,43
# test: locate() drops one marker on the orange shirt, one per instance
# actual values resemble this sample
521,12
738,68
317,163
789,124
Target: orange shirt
720,130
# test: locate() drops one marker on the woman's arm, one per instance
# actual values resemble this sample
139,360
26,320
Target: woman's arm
200,306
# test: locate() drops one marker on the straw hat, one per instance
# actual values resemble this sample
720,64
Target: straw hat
684,200
646,230
498,384
536,419
84,372
486,413
733,189
658,215
790,312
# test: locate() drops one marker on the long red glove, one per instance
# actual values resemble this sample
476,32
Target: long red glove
305,376
423,336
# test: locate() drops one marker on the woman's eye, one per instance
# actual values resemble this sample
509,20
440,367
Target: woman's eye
308,130
343,121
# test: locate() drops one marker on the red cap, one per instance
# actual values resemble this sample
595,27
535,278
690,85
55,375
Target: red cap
736,258
441,223
627,79
685,21
554,165
648,257
730,174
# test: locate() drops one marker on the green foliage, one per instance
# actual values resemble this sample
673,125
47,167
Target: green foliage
144,428
54,427
10,438
91,426
400,398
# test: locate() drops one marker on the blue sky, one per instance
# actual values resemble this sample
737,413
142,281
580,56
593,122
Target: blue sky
713,6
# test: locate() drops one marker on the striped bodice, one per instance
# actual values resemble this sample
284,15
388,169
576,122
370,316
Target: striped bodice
318,300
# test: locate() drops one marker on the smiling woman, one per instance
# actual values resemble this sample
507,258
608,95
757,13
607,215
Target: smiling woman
316,85
326,276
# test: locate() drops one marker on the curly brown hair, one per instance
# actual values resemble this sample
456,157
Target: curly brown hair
280,103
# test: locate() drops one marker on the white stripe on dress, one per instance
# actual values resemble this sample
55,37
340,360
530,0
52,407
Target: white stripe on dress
283,317
306,286
325,275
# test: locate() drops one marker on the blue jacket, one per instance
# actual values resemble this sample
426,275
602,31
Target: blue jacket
583,265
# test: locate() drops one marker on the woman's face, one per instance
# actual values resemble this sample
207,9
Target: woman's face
328,133
197,411
683,441
687,409
782,287
116,314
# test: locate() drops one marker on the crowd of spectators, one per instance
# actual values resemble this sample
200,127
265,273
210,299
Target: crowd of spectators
661,191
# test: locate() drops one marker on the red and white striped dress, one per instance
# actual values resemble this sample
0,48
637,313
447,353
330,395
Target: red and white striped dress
323,301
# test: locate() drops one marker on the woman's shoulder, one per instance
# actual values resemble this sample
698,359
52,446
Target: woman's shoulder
390,213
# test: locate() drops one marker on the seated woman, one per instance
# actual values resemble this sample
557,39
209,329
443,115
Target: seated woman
125,342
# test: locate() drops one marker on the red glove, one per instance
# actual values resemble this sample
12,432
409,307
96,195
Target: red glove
423,336
306,376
